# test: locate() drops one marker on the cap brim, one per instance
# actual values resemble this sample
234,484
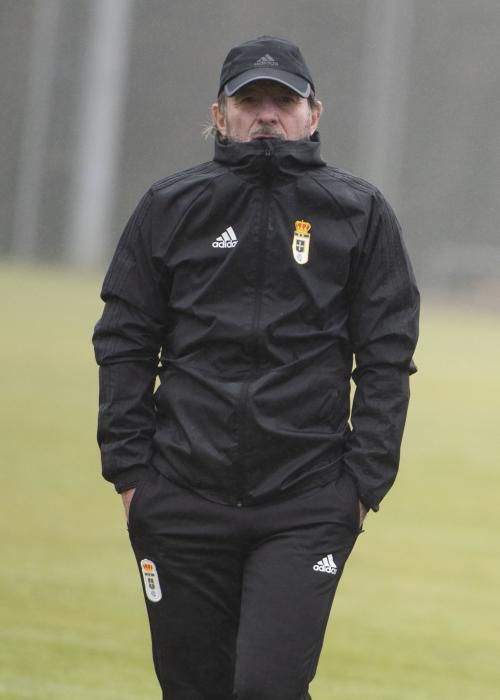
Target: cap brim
292,81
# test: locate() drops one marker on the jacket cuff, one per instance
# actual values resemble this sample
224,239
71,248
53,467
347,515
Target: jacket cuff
369,506
130,478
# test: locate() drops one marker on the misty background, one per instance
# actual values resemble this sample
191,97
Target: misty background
100,98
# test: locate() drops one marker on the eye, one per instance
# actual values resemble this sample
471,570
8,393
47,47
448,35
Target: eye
287,100
247,99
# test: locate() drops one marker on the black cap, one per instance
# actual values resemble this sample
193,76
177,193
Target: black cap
266,58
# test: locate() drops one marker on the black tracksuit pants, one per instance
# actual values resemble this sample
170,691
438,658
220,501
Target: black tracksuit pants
238,598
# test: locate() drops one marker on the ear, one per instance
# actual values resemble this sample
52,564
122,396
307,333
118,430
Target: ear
315,116
219,119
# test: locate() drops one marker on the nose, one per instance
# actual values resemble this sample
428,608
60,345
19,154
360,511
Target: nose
267,113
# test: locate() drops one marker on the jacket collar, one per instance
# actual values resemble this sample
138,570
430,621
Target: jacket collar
286,158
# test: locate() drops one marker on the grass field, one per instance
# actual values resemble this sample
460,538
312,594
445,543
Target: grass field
417,614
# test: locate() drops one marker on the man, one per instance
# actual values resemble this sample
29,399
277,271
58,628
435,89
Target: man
255,279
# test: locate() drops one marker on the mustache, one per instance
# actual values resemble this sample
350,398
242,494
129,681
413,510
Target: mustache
267,130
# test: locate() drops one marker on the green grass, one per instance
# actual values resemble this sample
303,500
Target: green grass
416,616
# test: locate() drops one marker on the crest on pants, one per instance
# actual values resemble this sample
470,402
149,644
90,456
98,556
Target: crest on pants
301,242
152,587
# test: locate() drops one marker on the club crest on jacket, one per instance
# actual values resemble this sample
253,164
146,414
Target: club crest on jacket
301,241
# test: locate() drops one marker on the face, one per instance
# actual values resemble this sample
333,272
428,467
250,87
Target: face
263,110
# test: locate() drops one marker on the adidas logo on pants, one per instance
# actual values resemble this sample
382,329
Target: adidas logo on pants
327,565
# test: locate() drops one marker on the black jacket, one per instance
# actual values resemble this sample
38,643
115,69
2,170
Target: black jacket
256,342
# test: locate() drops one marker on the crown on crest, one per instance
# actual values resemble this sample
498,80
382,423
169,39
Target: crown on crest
302,226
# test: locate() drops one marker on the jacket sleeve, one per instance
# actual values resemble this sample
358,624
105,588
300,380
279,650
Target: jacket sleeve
383,322
127,341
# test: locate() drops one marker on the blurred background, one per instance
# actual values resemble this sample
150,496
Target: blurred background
99,98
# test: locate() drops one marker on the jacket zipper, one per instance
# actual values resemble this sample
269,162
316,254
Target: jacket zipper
254,336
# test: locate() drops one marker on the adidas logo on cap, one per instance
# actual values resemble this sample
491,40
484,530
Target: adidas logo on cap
326,565
266,60
226,240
